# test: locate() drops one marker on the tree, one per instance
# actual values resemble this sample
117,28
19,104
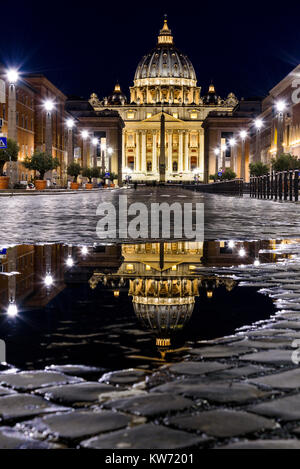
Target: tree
258,169
8,154
74,169
91,173
285,162
42,162
226,175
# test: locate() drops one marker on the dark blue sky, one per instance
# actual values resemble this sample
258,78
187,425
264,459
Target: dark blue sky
245,47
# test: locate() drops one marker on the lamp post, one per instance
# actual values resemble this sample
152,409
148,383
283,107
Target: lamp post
95,143
223,149
232,143
280,107
243,135
258,125
84,135
12,78
217,153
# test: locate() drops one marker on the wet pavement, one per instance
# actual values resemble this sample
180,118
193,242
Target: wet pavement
71,218
231,384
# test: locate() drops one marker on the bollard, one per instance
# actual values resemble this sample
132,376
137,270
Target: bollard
285,185
291,185
280,186
296,184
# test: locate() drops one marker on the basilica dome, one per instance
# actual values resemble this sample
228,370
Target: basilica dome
165,62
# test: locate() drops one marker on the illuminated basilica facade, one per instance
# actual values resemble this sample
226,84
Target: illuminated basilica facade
164,82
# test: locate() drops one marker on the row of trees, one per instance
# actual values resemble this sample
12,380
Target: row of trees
43,162
284,162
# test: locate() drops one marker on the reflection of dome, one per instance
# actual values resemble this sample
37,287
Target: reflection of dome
164,315
165,61
117,97
211,97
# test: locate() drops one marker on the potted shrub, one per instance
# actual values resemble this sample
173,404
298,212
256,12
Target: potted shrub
74,169
285,162
7,154
42,162
90,173
258,169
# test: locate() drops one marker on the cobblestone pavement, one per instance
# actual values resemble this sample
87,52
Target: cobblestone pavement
71,218
241,391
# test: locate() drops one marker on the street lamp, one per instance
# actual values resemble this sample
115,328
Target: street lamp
84,134
70,123
243,135
232,142
258,124
280,107
12,76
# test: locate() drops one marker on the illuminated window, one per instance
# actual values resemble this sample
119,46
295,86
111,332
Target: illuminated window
129,267
130,115
148,267
192,267
194,115
175,114
174,267
149,114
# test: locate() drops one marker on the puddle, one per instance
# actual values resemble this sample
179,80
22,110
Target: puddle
135,305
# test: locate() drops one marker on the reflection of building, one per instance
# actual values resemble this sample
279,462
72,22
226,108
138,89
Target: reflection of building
163,281
164,80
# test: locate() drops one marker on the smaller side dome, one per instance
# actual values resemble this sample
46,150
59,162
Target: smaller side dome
211,98
117,97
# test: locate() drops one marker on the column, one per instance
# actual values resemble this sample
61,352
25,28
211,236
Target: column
180,152
170,151
144,156
154,151
84,152
186,152
200,162
137,152
48,136
243,159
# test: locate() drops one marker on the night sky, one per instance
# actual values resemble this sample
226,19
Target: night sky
84,47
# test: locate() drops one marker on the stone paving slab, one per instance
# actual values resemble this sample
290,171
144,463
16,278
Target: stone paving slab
266,343
29,380
148,436
123,377
287,325
219,351
20,406
213,391
75,425
82,371
151,404
286,380
284,408
87,392
240,372
274,357
223,423
264,444
12,439
197,368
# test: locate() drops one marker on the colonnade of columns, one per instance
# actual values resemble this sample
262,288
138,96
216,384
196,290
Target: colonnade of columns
180,152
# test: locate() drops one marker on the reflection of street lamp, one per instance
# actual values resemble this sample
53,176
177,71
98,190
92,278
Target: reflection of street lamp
242,252
12,76
84,250
243,135
256,263
70,261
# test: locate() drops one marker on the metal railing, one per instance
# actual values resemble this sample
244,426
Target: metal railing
282,185
232,187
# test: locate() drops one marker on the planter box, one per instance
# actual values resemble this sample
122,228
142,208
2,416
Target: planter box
40,184
74,186
4,182
89,186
